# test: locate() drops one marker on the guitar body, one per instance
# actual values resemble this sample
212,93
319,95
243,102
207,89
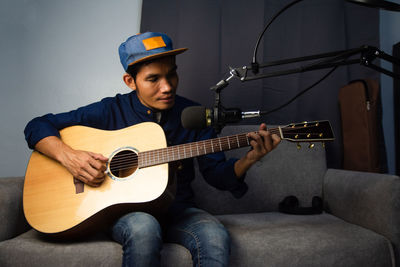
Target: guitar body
55,203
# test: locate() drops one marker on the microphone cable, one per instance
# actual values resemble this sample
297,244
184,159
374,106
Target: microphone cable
264,113
254,63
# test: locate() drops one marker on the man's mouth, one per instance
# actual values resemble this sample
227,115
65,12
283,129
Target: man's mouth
167,99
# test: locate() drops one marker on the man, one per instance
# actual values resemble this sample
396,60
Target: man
149,62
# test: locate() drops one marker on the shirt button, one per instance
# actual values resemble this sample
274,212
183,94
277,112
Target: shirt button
180,166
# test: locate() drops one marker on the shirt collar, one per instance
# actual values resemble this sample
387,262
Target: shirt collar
144,111
140,108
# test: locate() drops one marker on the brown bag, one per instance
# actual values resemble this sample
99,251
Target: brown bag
363,146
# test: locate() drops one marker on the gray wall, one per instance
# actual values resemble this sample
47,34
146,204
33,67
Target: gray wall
55,56
389,35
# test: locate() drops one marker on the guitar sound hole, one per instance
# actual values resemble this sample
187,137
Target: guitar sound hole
124,163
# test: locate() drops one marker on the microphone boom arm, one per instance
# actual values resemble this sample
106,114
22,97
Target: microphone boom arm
337,58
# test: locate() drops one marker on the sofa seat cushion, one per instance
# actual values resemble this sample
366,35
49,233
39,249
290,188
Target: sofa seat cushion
29,249
258,239
276,239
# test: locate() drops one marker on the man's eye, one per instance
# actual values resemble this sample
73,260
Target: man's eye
152,80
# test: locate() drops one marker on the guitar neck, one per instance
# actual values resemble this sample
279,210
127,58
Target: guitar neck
316,131
190,150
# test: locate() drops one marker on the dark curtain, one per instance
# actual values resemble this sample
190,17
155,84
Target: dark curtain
223,33
396,105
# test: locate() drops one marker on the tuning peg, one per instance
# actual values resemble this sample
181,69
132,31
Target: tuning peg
311,145
298,146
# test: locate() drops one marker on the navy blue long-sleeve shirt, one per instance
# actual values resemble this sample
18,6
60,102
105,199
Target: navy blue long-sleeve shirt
124,110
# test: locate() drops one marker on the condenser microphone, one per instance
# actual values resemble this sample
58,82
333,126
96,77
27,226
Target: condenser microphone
199,117
196,117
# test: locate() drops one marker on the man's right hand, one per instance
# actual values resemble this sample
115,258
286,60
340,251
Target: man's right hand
86,166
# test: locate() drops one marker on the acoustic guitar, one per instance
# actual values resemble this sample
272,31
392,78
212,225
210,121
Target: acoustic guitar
56,203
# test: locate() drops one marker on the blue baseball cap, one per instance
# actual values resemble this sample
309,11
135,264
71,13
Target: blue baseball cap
146,46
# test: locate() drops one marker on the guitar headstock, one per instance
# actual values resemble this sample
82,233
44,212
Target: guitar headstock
315,131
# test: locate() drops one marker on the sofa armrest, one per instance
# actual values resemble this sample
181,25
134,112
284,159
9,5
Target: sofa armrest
12,217
370,200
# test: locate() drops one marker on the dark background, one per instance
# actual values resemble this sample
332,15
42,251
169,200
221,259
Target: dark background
222,33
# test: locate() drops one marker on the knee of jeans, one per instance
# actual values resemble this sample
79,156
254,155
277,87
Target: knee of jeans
222,235
214,234
138,225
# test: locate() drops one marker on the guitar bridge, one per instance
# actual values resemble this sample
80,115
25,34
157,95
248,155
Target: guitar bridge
79,186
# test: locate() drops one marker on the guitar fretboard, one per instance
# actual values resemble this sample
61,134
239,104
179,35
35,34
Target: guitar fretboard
303,132
199,148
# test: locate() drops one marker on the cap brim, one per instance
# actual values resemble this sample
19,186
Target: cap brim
163,54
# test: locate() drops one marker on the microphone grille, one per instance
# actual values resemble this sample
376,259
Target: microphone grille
194,117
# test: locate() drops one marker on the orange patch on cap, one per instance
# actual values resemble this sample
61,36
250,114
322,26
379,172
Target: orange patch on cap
154,42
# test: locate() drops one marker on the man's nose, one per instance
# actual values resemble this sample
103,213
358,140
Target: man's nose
166,85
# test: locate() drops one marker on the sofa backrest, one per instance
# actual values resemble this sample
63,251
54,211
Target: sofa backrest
12,217
285,171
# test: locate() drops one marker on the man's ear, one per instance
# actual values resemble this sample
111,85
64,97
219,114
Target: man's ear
129,81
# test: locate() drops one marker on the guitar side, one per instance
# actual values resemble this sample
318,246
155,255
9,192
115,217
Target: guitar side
53,203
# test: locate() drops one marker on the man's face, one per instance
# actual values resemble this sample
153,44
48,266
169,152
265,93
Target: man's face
156,83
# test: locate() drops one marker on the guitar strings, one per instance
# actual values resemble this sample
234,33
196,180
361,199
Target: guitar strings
154,157
176,152
120,162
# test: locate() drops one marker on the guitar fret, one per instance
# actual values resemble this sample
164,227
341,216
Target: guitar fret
149,157
164,157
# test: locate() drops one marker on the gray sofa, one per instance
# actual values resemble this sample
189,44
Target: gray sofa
359,227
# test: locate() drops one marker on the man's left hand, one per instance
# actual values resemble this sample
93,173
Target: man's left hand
262,143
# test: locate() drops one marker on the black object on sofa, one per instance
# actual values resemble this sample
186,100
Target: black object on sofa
360,225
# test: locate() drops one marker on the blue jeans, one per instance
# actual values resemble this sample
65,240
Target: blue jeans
202,234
